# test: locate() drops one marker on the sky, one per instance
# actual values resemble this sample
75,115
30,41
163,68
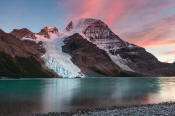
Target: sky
147,23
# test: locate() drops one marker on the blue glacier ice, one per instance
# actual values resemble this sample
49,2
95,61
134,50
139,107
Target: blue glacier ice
59,61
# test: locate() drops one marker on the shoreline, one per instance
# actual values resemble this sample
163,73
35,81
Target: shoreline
161,109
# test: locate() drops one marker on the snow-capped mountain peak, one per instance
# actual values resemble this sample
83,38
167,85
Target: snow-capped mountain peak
97,32
49,32
81,24
50,29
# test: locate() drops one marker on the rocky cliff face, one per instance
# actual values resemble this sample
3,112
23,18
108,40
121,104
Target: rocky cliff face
14,46
35,40
47,32
19,60
91,60
20,33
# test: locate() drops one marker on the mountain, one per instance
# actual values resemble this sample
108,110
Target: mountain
19,60
47,32
128,57
86,48
19,33
88,57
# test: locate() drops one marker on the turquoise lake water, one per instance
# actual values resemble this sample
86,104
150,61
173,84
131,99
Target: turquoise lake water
63,95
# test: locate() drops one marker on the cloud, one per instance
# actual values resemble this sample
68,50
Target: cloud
170,60
159,33
108,10
112,11
141,22
170,52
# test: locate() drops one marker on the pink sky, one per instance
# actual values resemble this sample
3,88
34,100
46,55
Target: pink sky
148,23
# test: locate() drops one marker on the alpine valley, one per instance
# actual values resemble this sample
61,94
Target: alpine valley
86,48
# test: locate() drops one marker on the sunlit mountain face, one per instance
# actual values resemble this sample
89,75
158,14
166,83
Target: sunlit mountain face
86,48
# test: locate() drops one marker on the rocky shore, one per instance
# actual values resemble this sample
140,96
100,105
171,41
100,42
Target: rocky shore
162,109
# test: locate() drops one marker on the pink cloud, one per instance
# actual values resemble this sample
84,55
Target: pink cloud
160,33
170,60
108,10
170,52
141,22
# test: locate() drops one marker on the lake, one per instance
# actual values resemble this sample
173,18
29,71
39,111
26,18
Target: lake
64,95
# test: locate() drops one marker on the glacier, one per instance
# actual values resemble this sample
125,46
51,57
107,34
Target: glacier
54,58
59,61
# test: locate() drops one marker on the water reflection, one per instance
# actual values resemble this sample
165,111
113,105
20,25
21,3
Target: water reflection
110,92
20,95
58,95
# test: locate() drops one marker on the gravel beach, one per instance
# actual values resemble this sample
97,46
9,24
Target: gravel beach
163,109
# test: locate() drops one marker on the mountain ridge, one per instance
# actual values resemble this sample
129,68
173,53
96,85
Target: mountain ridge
19,60
119,57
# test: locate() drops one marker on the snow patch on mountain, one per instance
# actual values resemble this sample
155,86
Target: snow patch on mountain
120,62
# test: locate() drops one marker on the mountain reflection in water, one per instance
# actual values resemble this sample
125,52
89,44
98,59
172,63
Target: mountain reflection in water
62,95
